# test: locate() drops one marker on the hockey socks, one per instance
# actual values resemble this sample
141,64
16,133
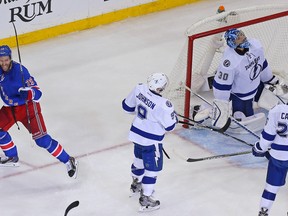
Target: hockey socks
7,145
53,147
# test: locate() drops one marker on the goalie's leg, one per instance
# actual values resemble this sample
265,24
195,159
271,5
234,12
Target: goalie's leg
241,106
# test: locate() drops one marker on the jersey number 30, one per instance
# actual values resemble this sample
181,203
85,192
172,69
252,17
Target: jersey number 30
223,76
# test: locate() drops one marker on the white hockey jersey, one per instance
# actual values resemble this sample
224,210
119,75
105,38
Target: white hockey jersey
275,133
154,115
241,74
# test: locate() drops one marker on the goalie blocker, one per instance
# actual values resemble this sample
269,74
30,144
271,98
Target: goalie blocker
220,114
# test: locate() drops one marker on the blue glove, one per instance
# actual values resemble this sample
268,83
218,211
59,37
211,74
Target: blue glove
26,93
257,150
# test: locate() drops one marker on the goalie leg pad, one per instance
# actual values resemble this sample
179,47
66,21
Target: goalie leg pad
220,113
267,99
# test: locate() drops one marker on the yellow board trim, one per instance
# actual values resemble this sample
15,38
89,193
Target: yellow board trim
91,22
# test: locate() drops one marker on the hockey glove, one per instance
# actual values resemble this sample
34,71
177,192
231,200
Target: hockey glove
257,150
26,93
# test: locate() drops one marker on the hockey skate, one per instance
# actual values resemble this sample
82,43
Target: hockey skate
72,167
148,203
9,161
136,187
263,212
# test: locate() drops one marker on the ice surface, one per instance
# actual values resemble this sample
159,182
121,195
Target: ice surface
84,77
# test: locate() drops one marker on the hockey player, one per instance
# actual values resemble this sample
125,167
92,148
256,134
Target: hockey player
154,115
273,137
242,68
21,94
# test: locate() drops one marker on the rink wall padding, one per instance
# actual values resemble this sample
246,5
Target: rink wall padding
27,28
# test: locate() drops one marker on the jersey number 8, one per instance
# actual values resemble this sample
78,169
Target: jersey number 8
142,112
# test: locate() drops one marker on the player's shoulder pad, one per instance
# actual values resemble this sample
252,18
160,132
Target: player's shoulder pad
279,108
167,105
229,59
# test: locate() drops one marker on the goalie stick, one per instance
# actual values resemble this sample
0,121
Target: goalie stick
225,134
72,205
230,117
218,156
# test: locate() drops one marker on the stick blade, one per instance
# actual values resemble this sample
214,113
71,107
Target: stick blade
226,126
72,205
194,159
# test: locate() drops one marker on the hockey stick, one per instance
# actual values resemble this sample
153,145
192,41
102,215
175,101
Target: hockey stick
23,81
225,134
166,154
72,205
231,117
217,156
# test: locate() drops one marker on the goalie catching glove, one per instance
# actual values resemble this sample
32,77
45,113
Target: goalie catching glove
220,114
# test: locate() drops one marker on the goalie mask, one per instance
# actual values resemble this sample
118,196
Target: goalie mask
236,39
157,82
5,51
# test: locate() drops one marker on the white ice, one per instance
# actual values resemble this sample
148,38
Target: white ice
85,76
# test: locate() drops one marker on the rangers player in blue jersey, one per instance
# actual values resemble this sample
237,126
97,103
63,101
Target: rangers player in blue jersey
274,145
154,115
21,95
242,68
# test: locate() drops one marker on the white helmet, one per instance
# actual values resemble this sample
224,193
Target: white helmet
157,82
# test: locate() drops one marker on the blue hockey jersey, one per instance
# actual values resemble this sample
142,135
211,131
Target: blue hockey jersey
11,81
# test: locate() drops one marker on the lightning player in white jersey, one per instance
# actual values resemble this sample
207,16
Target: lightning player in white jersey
242,68
273,137
154,115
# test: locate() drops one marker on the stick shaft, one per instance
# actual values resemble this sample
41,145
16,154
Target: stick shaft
23,81
218,156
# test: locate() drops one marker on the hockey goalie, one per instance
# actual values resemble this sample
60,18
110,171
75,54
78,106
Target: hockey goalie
239,82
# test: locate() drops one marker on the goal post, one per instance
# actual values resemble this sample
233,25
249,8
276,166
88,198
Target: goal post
203,49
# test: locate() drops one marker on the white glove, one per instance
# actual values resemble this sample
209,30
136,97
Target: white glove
218,41
279,89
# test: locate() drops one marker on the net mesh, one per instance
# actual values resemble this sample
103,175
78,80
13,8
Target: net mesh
208,50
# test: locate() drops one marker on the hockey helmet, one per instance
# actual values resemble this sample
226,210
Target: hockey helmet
5,51
232,35
157,82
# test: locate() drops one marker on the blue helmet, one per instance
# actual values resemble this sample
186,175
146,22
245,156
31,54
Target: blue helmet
5,51
231,36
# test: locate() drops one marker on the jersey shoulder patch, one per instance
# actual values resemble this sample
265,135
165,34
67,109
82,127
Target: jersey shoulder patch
168,104
226,63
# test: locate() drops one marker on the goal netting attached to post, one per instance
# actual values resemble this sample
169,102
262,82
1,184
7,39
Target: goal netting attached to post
200,56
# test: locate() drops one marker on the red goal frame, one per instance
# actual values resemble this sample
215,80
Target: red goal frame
212,32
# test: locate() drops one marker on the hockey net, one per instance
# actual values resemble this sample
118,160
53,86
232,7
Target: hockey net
203,49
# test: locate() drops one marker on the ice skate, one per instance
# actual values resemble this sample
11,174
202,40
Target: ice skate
148,203
263,212
9,161
72,167
136,187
